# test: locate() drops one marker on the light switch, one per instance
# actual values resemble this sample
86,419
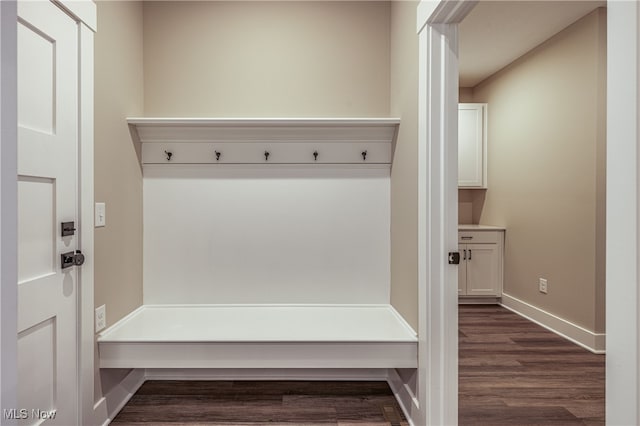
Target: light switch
101,215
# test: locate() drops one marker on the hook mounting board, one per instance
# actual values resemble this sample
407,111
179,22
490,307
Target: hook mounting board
245,141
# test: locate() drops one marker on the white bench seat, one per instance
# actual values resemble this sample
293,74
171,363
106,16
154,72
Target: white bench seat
260,336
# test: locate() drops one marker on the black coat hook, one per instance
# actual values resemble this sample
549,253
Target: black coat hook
315,155
364,155
218,153
169,154
266,156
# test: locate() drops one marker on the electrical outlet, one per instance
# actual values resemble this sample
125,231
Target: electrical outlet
101,318
542,285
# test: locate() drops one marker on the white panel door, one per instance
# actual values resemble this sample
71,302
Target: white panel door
47,186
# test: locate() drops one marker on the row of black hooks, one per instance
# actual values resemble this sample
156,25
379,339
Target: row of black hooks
218,154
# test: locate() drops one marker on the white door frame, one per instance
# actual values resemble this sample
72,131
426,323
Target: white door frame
8,208
437,112
623,214
438,209
84,12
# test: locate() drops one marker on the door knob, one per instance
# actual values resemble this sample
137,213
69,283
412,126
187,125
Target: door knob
78,258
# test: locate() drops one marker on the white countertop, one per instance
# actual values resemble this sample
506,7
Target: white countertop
481,228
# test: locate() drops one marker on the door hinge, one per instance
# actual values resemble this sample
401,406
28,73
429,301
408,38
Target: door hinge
454,258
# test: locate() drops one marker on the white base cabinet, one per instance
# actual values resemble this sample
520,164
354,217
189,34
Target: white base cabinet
480,274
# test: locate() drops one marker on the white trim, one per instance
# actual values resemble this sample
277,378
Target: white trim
594,342
407,400
86,340
623,214
258,355
8,209
442,11
438,209
437,225
266,374
276,122
101,406
118,397
297,141
84,11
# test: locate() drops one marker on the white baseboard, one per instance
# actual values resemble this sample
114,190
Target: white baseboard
594,342
265,374
100,416
407,400
116,399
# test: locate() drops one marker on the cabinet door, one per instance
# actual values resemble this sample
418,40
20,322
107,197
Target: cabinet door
483,267
471,145
462,271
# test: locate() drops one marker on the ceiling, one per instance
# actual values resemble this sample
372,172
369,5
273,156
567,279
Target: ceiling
496,33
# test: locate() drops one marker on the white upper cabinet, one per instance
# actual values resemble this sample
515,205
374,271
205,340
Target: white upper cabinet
472,145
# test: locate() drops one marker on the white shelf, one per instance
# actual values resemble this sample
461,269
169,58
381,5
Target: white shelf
469,227
260,336
245,141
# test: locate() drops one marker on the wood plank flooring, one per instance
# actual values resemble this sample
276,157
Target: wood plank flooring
512,372
261,403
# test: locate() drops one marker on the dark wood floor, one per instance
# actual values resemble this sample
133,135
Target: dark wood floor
512,372
261,403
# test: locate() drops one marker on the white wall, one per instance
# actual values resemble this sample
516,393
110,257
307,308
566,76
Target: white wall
266,234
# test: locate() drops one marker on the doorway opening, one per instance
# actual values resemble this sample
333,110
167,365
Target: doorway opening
540,67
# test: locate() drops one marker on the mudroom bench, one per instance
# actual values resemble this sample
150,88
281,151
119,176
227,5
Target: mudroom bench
255,336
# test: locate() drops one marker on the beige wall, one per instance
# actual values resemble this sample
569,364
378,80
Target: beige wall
465,94
404,173
118,176
546,171
266,59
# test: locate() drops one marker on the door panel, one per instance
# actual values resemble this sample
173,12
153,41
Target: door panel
37,366
482,269
36,228
36,107
47,193
470,145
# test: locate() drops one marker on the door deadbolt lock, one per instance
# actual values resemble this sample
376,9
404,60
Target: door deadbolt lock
70,259
454,258
68,228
